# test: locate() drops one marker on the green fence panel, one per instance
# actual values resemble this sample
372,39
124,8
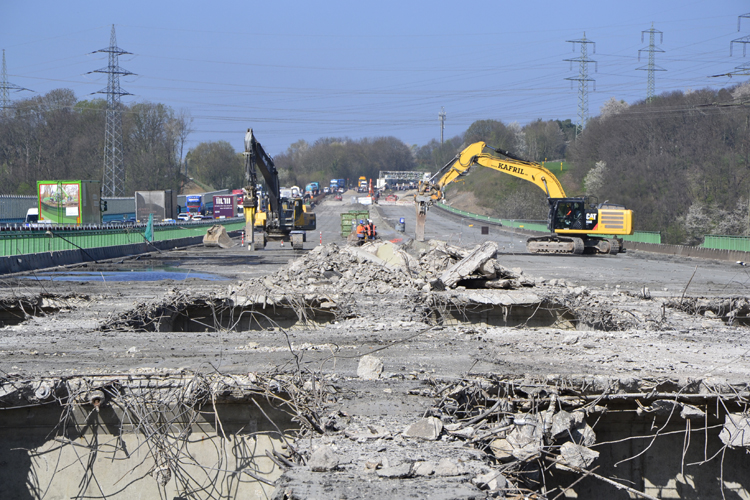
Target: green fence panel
726,242
27,242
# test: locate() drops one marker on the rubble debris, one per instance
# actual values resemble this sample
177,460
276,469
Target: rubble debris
369,367
492,481
736,430
323,459
428,429
397,471
577,456
730,310
466,266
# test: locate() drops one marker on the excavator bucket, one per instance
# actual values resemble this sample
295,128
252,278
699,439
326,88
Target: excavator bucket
217,236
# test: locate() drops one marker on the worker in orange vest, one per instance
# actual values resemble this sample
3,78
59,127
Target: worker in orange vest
361,231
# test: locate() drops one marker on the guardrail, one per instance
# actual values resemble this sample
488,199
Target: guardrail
637,236
55,239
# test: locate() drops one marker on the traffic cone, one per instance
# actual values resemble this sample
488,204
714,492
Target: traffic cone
282,242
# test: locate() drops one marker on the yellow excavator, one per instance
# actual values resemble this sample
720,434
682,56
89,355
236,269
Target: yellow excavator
285,216
578,226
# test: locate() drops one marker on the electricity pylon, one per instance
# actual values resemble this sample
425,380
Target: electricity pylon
743,69
6,87
114,169
582,79
651,67
441,115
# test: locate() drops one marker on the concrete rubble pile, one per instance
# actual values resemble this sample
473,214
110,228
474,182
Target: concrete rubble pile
383,267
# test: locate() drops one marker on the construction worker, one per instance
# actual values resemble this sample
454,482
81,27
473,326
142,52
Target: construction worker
361,230
370,230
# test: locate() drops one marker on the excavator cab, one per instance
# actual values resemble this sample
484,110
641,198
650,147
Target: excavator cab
570,214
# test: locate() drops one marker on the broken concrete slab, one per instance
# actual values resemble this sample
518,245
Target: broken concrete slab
428,429
469,264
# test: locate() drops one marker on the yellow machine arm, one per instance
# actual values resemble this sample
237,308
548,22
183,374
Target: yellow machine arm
476,154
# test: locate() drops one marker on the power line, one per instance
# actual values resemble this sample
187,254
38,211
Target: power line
114,167
582,79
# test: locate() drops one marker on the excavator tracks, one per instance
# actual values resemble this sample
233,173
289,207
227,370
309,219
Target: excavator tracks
573,245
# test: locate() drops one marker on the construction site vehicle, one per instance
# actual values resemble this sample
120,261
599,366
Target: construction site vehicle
285,218
578,226
362,185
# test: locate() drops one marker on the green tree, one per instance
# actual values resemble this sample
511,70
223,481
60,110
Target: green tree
217,164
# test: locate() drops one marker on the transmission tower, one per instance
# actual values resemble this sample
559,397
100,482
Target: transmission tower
6,87
582,79
114,169
743,69
441,115
651,67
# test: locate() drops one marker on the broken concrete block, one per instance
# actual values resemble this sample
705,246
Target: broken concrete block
690,412
574,455
736,431
466,432
469,264
371,432
428,429
397,471
502,449
527,452
323,459
423,468
493,480
369,367
446,468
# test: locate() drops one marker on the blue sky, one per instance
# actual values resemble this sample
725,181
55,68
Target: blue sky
296,70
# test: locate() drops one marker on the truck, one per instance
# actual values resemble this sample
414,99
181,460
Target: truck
577,225
160,204
69,202
194,204
337,185
313,188
362,185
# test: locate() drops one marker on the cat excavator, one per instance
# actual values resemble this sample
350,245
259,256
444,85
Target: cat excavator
285,218
578,225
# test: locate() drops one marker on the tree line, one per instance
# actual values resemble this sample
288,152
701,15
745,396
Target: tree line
681,161
56,136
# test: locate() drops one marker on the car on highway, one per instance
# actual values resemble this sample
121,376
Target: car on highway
338,197
183,216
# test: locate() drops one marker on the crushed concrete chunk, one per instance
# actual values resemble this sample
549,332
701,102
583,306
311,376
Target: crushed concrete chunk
736,431
323,459
428,429
502,449
369,367
574,455
492,481
397,471
424,468
446,467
